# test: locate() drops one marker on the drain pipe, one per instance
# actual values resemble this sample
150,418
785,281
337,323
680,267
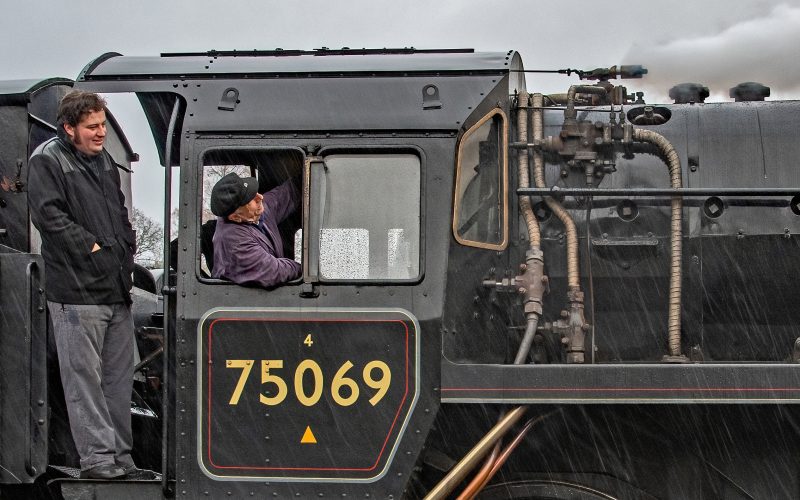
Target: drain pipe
676,240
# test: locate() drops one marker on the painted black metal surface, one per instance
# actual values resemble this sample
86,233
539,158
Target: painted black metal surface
23,372
631,383
302,395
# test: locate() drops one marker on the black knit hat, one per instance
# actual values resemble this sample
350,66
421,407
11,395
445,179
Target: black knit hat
232,192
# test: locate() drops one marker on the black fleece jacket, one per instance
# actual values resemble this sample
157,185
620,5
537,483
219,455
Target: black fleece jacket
75,201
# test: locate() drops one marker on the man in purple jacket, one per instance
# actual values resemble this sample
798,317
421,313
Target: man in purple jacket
248,248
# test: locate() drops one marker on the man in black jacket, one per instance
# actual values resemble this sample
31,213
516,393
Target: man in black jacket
87,244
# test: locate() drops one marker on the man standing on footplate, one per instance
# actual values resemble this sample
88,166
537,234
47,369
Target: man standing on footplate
87,245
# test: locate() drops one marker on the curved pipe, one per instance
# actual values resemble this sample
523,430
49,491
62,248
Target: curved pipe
583,89
676,234
573,274
523,173
482,477
527,339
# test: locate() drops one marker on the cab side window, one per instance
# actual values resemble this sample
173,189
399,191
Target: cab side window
271,166
480,217
365,217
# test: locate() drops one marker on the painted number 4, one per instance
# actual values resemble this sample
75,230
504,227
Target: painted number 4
308,340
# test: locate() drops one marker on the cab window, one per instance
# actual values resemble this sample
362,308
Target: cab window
271,167
480,215
365,217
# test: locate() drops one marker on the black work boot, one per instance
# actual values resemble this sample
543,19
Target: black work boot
104,471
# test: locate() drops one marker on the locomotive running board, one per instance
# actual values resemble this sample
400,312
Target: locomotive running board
80,489
623,384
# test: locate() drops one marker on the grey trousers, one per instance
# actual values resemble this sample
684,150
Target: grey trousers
95,352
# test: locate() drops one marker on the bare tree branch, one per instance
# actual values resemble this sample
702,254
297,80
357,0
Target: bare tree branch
149,240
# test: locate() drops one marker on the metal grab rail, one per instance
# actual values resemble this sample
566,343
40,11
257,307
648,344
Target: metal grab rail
557,191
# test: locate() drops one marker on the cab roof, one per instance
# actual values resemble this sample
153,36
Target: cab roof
320,63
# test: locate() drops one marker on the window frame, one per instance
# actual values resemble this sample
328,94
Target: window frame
312,220
503,191
215,144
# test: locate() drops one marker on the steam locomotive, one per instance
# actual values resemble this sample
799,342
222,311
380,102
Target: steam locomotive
505,294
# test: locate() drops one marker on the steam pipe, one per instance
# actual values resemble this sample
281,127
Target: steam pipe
500,458
573,278
676,235
462,468
583,89
480,478
523,173
527,339
511,447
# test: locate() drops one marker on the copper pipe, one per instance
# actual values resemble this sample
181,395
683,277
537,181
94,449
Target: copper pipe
513,445
462,468
503,457
584,89
476,485
676,235
523,173
573,273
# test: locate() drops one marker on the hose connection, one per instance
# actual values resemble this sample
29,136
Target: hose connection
531,283
571,328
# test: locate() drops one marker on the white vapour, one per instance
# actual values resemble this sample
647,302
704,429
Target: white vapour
762,49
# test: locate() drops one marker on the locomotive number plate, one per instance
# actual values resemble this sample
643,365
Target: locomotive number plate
293,395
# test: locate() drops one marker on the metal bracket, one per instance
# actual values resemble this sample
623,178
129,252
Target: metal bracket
430,97
229,99
309,291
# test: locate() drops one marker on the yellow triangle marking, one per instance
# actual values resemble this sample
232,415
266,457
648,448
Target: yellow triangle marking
308,437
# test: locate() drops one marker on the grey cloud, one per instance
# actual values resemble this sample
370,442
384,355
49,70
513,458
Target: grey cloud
761,49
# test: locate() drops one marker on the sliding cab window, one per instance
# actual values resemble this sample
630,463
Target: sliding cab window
271,167
480,216
364,217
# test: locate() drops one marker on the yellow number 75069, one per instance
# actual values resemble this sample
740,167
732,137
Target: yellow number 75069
340,381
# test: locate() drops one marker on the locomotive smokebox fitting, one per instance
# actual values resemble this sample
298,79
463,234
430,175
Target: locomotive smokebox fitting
749,91
685,93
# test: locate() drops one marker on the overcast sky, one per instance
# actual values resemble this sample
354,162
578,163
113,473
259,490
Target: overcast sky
718,43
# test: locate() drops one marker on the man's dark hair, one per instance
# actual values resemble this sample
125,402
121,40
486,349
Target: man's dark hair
77,104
